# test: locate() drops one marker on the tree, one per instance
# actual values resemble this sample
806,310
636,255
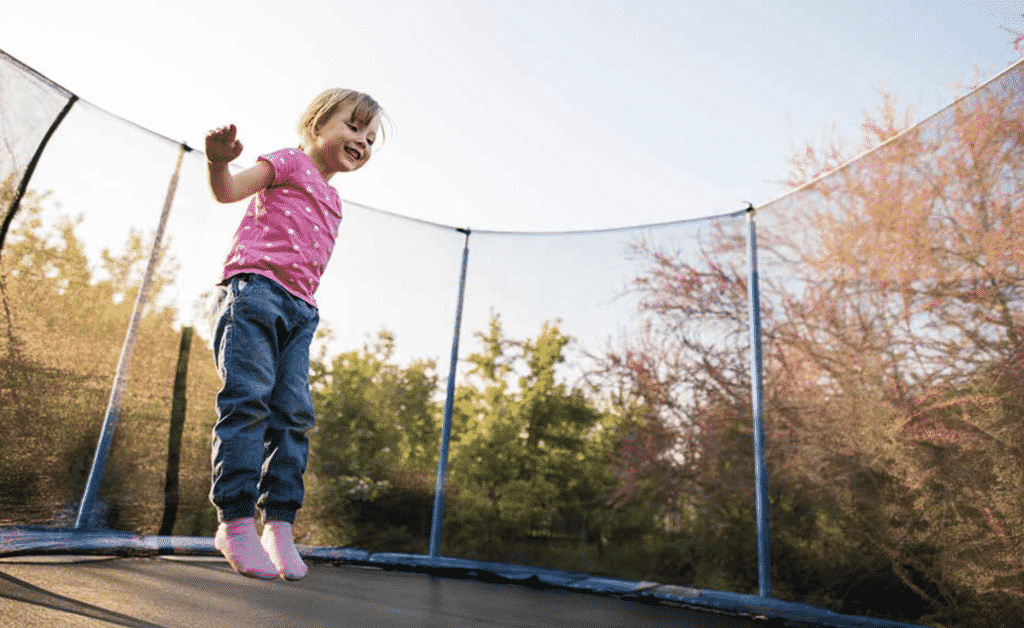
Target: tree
907,326
62,333
378,432
891,313
529,451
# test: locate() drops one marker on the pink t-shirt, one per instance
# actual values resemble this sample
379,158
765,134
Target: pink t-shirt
288,232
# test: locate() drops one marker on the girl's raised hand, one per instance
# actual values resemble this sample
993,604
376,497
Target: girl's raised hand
221,144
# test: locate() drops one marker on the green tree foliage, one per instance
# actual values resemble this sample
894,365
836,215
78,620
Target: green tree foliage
377,437
529,455
63,331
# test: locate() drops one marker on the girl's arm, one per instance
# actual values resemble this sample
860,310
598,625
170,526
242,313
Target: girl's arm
221,148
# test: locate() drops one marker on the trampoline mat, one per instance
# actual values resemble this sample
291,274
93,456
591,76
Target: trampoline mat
172,592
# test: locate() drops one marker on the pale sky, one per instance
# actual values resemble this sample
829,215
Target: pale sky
525,115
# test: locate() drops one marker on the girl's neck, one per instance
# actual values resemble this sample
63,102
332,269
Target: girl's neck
325,172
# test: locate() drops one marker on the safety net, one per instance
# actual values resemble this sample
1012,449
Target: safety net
606,404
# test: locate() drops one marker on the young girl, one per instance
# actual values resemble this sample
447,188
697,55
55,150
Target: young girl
266,317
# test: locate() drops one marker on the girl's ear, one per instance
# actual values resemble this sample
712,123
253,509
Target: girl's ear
320,122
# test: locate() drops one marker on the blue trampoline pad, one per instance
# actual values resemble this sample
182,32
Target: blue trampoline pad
90,591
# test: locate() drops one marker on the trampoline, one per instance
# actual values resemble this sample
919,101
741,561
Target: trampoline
185,592
88,575
104,578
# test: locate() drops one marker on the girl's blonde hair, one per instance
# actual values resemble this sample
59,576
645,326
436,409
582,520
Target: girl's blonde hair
323,107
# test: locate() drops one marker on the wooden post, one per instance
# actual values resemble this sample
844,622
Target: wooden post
178,406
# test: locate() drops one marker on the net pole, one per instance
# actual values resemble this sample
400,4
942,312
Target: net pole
764,553
437,517
99,462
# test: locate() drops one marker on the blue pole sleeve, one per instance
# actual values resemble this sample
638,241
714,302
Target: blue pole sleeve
446,428
764,553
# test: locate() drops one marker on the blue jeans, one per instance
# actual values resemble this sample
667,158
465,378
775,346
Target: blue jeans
265,408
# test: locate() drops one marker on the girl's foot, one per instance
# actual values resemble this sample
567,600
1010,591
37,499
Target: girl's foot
277,539
238,542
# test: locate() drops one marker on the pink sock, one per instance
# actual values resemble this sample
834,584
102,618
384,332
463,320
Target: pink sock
277,539
239,543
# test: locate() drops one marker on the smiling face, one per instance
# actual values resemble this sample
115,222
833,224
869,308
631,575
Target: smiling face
342,143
